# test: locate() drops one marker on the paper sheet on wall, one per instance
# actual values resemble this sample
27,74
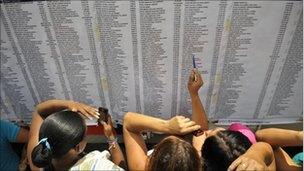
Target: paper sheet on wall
137,55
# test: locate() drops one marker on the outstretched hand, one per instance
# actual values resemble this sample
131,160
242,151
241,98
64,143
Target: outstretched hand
181,125
195,82
86,110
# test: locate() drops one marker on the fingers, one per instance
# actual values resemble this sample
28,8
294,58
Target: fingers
191,77
85,110
180,117
197,75
74,110
189,123
110,122
85,113
185,120
191,129
235,164
91,111
242,167
243,163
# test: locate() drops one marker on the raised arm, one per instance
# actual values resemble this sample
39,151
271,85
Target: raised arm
198,112
280,137
195,82
135,123
45,109
258,157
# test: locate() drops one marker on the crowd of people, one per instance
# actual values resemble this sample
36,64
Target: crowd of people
57,139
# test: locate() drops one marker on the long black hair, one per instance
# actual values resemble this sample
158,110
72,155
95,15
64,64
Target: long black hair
220,150
58,133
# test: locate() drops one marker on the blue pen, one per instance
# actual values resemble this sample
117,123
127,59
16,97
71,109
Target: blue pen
193,61
194,66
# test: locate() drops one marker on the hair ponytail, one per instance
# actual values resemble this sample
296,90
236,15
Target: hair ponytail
59,133
42,154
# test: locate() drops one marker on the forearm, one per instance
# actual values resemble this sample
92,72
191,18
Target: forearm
33,137
117,155
198,112
51,106
137,123
280,137
136,150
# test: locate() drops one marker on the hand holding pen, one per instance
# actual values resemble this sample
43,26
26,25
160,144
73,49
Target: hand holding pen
195,82
194,66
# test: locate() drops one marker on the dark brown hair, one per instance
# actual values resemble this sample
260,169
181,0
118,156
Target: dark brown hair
173,153
220,150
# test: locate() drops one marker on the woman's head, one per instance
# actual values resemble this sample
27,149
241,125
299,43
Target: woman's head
59,134
222,148
173,153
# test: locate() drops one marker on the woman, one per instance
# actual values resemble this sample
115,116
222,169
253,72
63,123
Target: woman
219,147
57,136
172,153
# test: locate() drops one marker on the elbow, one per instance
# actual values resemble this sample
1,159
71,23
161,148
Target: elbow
269,158
267,151
259,135
127,119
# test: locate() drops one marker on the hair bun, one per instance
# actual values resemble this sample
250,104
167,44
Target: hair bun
41,155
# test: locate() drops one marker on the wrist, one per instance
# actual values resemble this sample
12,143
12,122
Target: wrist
112,142
111,137
194,95
167,129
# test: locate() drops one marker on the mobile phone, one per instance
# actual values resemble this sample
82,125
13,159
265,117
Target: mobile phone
198,132
104,114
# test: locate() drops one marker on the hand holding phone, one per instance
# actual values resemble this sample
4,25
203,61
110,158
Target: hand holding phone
104,114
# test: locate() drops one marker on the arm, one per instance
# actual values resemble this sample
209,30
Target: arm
135,123
33,137
22,136
45,109
198,112
258,157
280,137
284,162
116,153
49,107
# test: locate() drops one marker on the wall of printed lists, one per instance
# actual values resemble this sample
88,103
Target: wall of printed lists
137,55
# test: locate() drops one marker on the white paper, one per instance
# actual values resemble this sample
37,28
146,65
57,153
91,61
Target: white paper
137,55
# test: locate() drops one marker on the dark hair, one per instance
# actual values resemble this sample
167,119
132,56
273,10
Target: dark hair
63,130
220,150
174,154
